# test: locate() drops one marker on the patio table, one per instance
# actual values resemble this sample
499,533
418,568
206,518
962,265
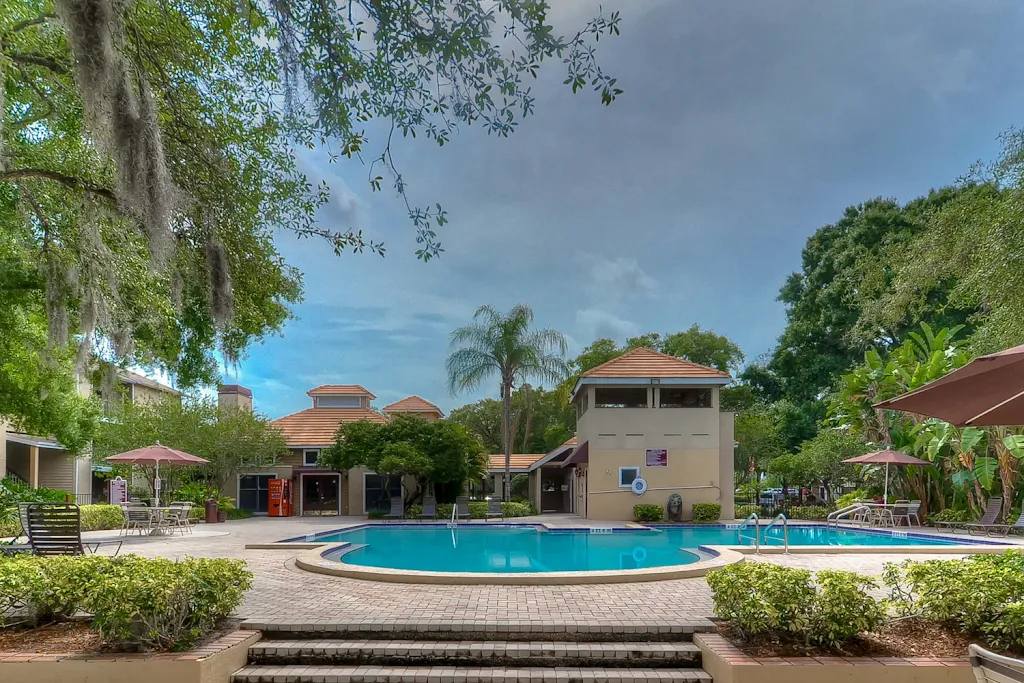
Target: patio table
881,512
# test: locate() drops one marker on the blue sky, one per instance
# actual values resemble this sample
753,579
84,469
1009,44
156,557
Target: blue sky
744,127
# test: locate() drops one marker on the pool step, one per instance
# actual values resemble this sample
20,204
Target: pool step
475,653
438,674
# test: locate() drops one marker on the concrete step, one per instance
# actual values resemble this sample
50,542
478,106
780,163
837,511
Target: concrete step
386,674
470,630
470,653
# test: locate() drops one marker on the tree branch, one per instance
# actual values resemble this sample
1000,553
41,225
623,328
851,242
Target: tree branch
41,19
39,60
70,181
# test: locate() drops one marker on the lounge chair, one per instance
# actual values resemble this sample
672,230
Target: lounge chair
995,529
56,529
988,517
462,508
992,668
429,508
397,508
494,509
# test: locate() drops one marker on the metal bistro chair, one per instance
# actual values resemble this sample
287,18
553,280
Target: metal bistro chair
992,668
177,518
137,518
56,529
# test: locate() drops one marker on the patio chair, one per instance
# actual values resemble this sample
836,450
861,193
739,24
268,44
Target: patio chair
138,518
429,508
56,529
907,512
996,529
992,668
397,508
462,508
494,509
988,517
177,518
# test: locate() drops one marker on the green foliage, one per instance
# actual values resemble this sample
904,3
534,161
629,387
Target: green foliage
13,492
231,440
505,347
791,470
843,607
477,510
160,604
951,515
761,598
808,512
541,420
823,456
744,511
646,512
758,598
759,440
848,498
439,452
980,595
101,517
704,347
706,512
40,590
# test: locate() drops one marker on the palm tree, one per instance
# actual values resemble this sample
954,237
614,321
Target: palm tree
504,345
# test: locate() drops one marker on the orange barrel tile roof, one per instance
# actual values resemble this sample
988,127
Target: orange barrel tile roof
648,363
520,461
413,404
340,390
316,426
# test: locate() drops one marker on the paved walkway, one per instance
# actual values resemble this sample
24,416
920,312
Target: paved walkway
286,594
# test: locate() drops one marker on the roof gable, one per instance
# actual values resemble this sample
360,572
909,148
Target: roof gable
647,363
316,426
340,390
413,404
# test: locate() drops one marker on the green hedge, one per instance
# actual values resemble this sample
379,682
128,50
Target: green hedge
648,513
808,512
760,598
477,510
135,603
94,518
706,512
744,511
951,515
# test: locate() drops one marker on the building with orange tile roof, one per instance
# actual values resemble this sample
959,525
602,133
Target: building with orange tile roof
414,405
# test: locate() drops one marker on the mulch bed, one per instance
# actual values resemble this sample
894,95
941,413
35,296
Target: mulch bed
905,638
75,637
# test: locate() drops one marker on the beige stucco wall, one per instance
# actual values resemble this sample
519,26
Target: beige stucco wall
143,394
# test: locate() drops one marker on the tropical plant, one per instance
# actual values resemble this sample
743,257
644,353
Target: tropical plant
648,512
504,346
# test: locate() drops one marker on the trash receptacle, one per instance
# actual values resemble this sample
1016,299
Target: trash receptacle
211,511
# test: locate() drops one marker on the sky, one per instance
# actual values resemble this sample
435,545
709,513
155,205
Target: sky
744,127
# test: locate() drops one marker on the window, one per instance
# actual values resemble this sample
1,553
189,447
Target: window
585,403
309,457
627,475
685,398
339,401
252,492
626,397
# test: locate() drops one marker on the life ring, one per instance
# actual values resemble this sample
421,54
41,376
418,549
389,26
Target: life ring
639,554
639,486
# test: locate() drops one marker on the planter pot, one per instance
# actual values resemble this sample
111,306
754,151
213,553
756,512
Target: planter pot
222,516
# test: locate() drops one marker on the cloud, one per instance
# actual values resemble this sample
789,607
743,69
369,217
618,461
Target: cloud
621,279
598,323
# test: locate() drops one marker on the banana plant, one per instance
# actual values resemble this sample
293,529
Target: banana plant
1009,449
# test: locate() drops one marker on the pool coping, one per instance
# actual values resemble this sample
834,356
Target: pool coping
313,551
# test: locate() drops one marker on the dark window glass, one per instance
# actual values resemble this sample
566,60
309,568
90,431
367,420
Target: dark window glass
608,397
685,398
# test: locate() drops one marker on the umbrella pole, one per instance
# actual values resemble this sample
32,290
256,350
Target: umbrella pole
885,496
156,483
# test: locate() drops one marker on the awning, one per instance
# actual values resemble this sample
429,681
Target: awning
580,456
29,440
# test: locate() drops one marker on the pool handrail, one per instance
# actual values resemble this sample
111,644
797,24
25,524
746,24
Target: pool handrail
454,520
852,509
757,531
785,531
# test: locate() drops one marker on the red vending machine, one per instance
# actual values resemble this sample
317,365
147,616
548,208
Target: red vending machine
279,493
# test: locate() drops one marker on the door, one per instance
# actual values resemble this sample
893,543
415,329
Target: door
320,494
253,492
375,497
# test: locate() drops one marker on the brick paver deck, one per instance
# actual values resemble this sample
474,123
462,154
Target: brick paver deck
283,594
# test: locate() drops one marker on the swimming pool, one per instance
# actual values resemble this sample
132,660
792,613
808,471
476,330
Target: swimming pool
522,549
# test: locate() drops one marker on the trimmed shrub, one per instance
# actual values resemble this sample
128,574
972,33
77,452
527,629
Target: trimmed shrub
744,511
706,512
477,510
101,517
41,590
951,515
807,512
843,608
760,598
1007,629
648,513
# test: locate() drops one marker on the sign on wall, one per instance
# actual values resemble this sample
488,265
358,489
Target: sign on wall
118,492
657,457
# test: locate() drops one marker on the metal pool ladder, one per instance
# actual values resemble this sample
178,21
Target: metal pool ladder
757,529
454,521
785,531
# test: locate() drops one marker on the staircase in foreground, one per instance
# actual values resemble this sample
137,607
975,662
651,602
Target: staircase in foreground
340,653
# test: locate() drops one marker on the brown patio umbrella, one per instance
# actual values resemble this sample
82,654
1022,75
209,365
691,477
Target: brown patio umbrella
154,456
886,457
987,392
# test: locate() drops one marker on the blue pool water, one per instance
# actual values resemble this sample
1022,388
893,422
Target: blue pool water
516,549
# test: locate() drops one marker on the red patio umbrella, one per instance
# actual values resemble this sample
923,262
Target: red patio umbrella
154,456
987,392
886,457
